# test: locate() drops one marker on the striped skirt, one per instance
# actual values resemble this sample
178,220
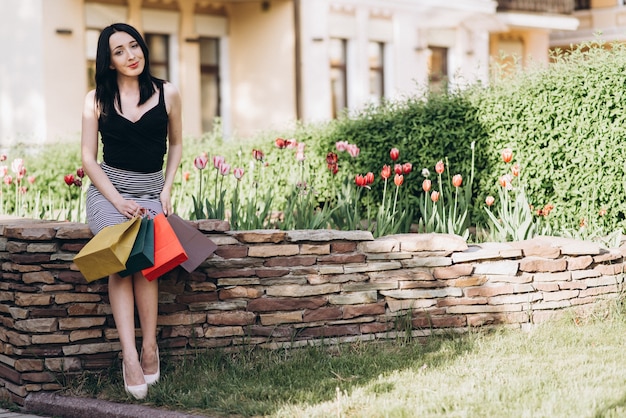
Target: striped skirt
143,188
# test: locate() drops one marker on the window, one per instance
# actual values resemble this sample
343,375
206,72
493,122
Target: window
375,57
338,75
209,82
91,39
437,67
158,45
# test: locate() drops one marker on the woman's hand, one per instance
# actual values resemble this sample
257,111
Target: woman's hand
166,202
129,208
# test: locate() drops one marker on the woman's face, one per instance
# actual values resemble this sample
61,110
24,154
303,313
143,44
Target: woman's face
126,55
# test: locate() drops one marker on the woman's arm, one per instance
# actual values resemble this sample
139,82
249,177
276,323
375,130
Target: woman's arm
89,154
175,143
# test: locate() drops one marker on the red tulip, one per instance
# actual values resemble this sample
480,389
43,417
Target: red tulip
397,168
426,185
78,182
359,180
434,196
331,158
69,179
407,168
80,172
457,180
398,180
490,200
369,178
386,172
507,155
394,154
280,143
439,167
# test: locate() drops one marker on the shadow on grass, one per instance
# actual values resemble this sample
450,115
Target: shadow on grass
615,409
252,381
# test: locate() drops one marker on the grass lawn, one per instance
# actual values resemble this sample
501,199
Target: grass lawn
573,367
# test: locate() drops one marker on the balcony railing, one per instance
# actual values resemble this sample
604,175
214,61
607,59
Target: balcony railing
539,6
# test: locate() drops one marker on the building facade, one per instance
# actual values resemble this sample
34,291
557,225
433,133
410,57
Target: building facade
245,66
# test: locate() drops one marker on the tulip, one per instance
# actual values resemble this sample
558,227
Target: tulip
218,160
300,152
334,169
78,182
397,168
515,170
31,179
507,155
341,145
186,175
490,200
3,157
457,180
331,158
23,189
602,212
434,196
17,165
439,167
398,180
69,179
291,143
394,154
80,172
407,168
353,150
369,178
258,154
224,169
386,172
3,170
426,185
238,173
359,180
280,143
425,172
8,180
200,162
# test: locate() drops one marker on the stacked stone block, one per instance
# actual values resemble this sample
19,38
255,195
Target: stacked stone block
275,289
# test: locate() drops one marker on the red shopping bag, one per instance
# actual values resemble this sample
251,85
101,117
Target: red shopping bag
168,252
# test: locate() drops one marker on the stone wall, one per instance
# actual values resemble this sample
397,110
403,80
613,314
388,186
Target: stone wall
284,288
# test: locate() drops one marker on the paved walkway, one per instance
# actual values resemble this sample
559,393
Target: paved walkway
5,413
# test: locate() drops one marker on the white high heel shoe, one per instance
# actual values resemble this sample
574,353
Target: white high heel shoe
151,379
137,391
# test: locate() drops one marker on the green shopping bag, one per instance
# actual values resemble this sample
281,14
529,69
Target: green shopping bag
142,254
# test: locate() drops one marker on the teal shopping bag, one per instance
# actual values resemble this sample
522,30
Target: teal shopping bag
142,254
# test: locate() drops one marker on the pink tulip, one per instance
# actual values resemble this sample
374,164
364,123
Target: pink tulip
398,180
439,167
218,160
407,168
353,150
8,180
200,162
224,169
341,145
426,185
17,165
238,173
490,200
3,170
31,179
434,196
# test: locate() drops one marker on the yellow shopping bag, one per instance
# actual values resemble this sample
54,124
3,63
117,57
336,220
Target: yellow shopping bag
107,252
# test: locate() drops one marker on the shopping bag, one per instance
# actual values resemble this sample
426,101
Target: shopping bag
197,245
142,254
168,252
107,252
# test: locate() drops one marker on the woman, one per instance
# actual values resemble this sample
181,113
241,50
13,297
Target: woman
139,118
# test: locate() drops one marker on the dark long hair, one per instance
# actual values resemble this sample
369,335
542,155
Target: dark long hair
107,91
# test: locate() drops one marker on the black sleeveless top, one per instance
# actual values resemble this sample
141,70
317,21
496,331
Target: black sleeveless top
136,146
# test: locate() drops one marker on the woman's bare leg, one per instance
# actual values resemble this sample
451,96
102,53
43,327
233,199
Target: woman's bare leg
122,302
147,300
